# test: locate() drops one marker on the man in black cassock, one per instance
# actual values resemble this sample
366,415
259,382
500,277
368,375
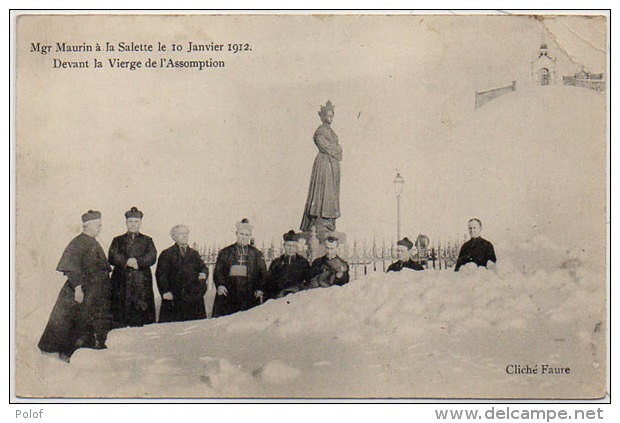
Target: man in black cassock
81,317
132,255
288,273
239,274
181,279
404,247
477,249
329,269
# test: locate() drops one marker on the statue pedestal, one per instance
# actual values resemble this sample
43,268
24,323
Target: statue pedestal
315,242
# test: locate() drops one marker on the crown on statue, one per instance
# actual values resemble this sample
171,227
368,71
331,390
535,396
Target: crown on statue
329,106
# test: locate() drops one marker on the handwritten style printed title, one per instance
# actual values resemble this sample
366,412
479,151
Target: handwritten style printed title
200,55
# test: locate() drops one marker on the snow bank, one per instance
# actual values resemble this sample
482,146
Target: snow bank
407,334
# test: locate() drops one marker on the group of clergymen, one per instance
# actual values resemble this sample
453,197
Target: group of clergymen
476,250
90,303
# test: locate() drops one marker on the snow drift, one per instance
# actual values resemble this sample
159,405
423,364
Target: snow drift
409,334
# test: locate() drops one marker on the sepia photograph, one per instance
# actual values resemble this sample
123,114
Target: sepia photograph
311,206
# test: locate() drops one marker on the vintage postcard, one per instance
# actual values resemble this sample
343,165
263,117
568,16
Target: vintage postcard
311,206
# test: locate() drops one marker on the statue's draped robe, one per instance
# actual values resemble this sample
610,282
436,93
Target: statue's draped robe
323,202
73,325
133,298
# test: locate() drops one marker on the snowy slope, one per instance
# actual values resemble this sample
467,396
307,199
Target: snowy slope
413,334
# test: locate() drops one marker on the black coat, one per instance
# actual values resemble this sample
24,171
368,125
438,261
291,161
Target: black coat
287,275
178,274
397,266
71,324
478,250
324,271
133,301
240,289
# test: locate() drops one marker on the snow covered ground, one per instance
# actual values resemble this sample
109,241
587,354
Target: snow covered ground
413,334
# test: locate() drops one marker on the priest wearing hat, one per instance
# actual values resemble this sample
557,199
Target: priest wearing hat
132,255
239,274
404,247
288,273
81,316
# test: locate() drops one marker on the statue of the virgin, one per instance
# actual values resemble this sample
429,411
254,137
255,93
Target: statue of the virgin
323,202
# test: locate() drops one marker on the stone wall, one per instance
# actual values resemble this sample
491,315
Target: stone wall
593,84
483,97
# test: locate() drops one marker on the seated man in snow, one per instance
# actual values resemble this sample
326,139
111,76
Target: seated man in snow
404,247
288,273
330,269
477,250
182,280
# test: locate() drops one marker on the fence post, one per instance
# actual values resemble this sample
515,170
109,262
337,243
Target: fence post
438,255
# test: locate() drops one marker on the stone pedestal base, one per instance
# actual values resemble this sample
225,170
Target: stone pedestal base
315,243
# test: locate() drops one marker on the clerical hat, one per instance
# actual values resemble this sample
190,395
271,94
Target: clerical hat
133,212
290,236
405,242
91,215
244,224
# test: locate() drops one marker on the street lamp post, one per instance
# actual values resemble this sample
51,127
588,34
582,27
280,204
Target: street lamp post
399,183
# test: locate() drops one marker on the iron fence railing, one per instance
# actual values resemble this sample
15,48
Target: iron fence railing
363,260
